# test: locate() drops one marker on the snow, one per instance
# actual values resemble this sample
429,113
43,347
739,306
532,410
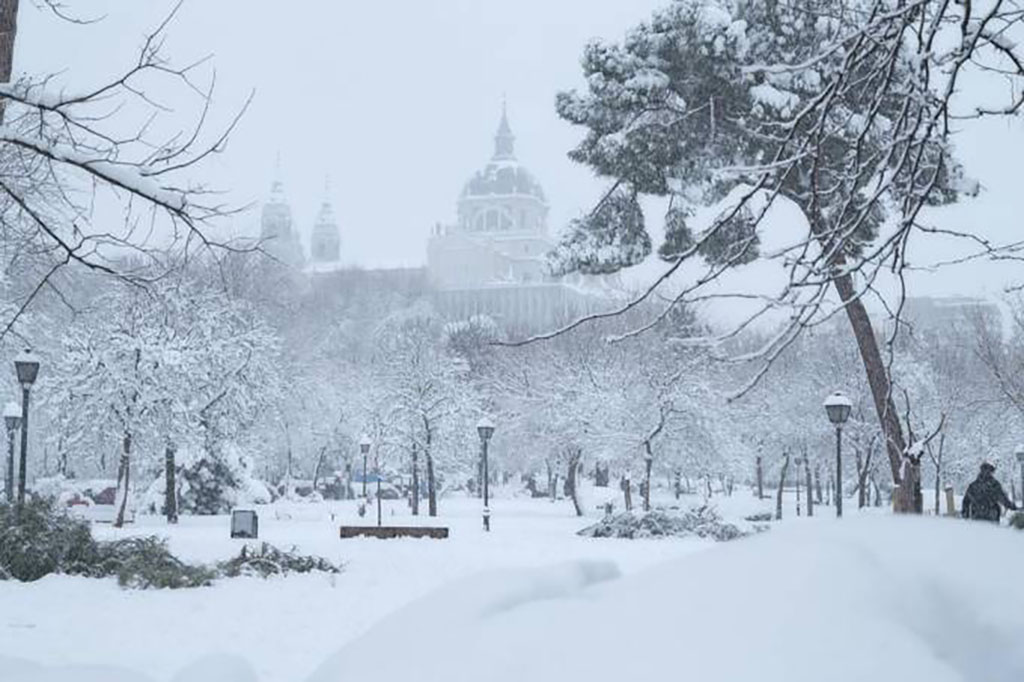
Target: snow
869,597
863,599
284,628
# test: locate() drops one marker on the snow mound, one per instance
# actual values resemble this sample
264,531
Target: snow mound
437,624
861,599
16,670
217,668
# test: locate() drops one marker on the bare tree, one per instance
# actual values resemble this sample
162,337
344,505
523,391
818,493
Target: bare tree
65,151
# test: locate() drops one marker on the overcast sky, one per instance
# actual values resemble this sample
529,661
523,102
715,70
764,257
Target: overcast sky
398,101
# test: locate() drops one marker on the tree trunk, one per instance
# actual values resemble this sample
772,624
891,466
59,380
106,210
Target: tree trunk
782,484
8,31
627,492
123,479
817,483
648,462
678,484
170,485
431,480
878,377
810,497
572,479
319,466
415,481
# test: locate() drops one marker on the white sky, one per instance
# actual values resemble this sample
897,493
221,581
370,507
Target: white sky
398,102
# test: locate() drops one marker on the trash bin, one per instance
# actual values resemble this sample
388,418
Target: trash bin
245,523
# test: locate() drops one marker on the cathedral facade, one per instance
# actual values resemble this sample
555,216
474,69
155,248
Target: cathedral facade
493,260
280,239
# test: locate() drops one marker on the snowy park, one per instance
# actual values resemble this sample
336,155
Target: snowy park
589,340
533,600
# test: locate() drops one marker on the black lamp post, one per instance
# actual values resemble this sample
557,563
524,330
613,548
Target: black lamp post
799,461
26,366
1020,460
364,448
648,464
838,408
12,419
485,427
376,466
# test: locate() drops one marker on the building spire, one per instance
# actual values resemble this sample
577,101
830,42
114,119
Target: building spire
277,184
504,140
326,216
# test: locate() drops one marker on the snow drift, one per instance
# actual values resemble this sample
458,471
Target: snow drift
865,599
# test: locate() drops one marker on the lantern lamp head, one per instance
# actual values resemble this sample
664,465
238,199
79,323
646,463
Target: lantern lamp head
485,427
26,365
12,415
364,444
838,408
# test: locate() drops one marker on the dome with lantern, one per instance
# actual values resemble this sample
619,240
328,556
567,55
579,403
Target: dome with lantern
503,196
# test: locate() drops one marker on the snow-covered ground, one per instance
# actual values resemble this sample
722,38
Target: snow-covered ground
286,627
871,597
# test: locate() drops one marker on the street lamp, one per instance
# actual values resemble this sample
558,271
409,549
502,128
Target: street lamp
26,366
648,463
838,408
485,427
1020,460
12,419
799,461
376,466
364,448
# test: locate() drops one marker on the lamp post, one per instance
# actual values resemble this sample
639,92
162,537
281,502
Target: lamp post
485,427
364,448
1020,460
26,366
798,461
648,463
838,408
376,466
12,419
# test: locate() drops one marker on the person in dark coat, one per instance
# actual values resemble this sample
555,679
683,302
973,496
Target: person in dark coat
985,497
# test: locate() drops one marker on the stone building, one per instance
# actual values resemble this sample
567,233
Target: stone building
493,260
278,237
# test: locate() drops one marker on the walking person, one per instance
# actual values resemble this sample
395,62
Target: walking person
985,497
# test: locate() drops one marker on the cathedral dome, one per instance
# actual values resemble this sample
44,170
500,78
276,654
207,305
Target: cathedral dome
503,175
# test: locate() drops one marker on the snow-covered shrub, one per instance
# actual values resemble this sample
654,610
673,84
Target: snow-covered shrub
42,540
144,563
214,483
1017,520
701,521
268,560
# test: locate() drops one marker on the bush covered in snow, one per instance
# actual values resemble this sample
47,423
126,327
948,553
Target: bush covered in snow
44,539
701,521
210,484
268,560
